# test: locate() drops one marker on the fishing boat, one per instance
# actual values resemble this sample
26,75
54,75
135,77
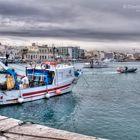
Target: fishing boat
95,64
41,81
126,70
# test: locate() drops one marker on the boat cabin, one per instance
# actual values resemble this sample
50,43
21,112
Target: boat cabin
40,77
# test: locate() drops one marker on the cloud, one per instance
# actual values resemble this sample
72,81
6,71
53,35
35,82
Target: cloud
80,19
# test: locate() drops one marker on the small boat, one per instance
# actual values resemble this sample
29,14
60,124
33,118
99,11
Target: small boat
43,81
95,64
126,70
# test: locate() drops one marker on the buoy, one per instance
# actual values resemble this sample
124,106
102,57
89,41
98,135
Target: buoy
20,100
58,91
48,95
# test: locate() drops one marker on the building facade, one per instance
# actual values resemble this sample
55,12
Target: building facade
70,52
41,53
13,52
45,52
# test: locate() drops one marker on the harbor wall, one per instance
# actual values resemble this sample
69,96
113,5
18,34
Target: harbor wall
12,129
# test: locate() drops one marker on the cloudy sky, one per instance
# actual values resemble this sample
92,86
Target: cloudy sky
88,23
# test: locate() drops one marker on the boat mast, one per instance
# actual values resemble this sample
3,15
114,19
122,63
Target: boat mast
54,59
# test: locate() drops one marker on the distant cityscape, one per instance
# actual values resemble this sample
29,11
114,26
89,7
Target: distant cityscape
50,52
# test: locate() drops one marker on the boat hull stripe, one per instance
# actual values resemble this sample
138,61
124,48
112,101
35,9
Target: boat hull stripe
34,95
42,91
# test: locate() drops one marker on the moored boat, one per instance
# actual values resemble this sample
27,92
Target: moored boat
95,64
43,81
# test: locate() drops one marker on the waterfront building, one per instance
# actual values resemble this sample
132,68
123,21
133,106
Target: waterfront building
70,52
12,51
102,55
81,53
120,56
51,52
136,56
130,57
2,47
108,55
32,55
45,53
41,53
88,54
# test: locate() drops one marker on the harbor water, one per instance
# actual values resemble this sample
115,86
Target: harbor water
104,104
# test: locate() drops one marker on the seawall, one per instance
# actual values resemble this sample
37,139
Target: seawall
12,129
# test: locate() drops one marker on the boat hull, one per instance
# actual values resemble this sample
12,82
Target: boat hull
128,71
36,93
88,65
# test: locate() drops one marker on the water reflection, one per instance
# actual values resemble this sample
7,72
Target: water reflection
53,112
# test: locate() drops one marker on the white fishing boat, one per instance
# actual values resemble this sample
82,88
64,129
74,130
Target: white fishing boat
95,64
44,81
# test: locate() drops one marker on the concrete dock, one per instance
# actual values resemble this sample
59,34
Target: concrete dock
12,129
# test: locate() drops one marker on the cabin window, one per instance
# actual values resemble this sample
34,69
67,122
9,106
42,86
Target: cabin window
40,77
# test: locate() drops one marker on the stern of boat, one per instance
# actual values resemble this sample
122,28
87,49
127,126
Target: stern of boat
9,97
